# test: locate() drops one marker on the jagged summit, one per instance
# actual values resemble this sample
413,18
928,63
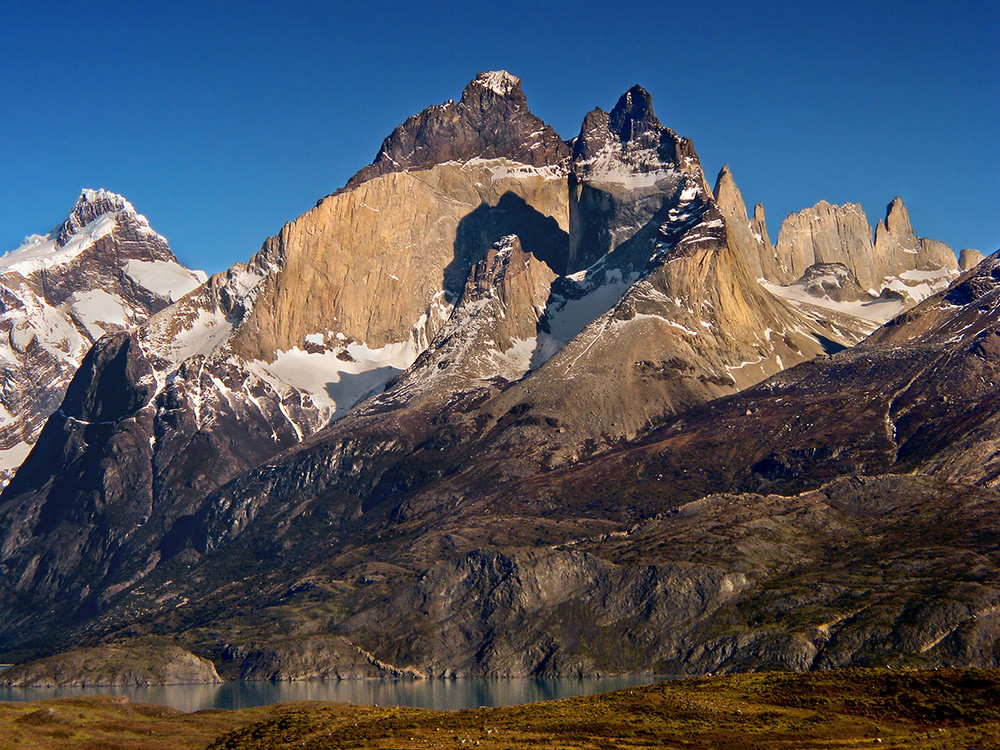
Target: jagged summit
101,270
633,117
728,195
91,206
630,139
897,217
490,121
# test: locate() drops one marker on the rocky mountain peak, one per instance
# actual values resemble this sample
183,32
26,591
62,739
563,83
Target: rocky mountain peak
632,137
969,259
633,117
897,218
102,270
728,195
899,249
92,205
829,234
490,121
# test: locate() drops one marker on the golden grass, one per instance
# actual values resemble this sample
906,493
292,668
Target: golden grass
838,709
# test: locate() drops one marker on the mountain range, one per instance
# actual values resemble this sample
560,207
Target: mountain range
504,404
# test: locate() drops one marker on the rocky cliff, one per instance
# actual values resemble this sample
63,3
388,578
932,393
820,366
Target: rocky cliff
896,259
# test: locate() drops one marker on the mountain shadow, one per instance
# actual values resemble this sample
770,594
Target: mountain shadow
540,235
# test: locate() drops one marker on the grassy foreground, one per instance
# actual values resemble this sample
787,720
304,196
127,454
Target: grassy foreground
841,709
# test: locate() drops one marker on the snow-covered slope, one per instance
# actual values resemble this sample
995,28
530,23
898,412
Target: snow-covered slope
103,269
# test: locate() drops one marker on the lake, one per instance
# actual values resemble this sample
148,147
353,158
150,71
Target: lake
439,694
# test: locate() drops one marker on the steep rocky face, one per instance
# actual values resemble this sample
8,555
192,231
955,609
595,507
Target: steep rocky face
897,247
828,234
102,270
749,236
897,259
626,165
693,327
392,255
490,121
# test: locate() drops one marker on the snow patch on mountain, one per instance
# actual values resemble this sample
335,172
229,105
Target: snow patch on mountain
164,278
594,292
631,168
42,252
500,169
917,286
205,332
878,311
337,378
95,307
11,458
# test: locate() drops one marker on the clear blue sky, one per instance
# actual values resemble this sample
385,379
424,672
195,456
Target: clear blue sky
222,121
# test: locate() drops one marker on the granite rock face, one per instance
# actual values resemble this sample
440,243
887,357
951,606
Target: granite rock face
899,250
749,234
970,258
897,259
828,234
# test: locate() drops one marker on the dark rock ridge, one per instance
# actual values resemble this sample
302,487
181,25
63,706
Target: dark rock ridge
549,454
625,165
490,121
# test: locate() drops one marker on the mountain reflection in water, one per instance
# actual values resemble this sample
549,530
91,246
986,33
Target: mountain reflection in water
438,694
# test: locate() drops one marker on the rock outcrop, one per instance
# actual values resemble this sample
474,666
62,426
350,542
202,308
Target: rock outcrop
123,664
835,281
748,235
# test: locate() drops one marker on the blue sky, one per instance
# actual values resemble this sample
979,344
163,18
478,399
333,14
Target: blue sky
222,121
